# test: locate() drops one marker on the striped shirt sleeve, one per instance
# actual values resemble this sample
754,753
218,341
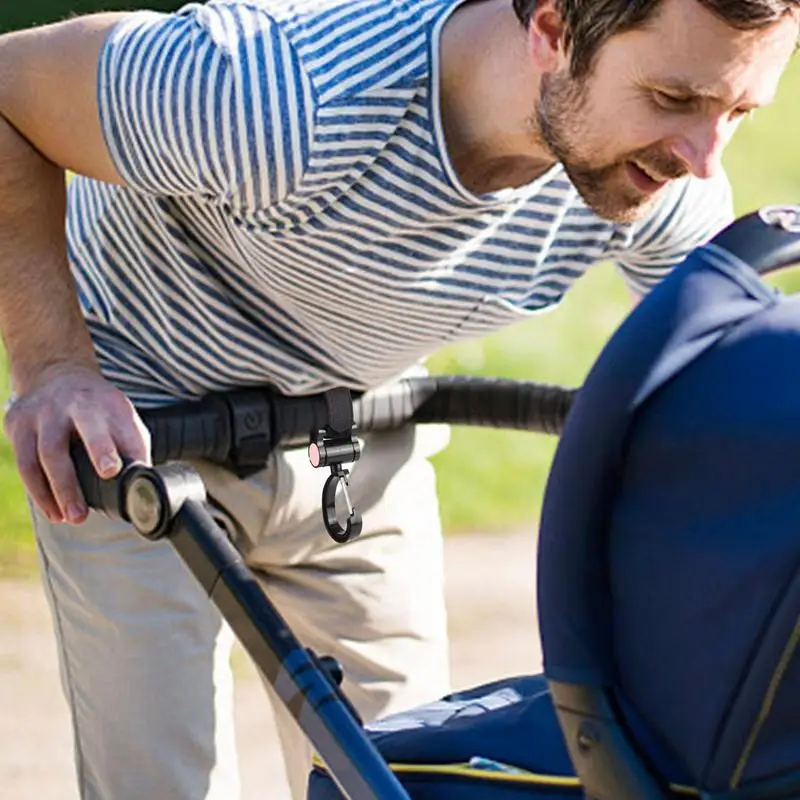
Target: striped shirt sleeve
210,101
691,213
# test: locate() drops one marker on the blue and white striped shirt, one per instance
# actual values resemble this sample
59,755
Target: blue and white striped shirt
291,216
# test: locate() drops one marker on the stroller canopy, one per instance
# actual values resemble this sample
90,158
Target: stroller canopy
670,539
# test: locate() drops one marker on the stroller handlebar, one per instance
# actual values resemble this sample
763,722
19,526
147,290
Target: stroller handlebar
240,429
767,239
243,427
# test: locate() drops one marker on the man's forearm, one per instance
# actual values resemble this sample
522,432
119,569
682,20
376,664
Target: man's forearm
40,319
49,122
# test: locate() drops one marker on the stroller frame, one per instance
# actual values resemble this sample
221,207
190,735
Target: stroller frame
302,681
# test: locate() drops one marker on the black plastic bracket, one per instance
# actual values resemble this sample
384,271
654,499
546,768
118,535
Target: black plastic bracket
609,766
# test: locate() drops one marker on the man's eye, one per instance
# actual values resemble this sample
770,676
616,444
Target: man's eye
743,113
670,102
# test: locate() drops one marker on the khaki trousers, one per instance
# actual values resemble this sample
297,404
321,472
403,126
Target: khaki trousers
145,657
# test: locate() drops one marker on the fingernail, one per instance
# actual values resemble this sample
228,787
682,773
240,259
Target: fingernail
75,514
109,464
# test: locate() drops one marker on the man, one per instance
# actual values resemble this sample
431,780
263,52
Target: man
308,195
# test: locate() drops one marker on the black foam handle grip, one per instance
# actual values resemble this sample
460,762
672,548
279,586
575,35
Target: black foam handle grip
466,400
100,494
241,426
190,430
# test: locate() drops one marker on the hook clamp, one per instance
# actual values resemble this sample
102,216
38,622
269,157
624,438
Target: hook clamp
332,449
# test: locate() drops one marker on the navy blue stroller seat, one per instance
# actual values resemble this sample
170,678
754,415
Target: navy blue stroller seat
669,566
500,741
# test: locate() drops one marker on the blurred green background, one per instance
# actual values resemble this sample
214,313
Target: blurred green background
19,14
491,480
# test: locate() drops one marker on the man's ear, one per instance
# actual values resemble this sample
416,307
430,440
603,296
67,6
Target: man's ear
546,37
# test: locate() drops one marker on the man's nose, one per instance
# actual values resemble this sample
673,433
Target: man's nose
700,146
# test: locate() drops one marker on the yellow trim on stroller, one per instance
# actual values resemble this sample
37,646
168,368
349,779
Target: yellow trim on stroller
520,775
464,769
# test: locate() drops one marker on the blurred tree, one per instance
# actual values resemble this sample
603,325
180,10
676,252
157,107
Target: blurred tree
36,12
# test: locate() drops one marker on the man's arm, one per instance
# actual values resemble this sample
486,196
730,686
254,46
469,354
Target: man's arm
49,122
167,104
48,92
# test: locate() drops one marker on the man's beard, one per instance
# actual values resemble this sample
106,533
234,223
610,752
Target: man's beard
561,123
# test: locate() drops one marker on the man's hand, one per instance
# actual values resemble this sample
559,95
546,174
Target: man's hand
49,121
68,400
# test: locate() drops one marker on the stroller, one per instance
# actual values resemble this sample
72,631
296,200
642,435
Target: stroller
669,580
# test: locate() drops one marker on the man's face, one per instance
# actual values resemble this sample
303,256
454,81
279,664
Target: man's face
660,103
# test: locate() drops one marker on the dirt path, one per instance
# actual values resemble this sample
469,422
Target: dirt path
491,601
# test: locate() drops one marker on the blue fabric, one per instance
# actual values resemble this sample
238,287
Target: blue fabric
676,578
511,721
704,548
485,721
684,316
321,787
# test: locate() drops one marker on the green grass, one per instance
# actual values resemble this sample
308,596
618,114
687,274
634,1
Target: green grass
494,479
16,542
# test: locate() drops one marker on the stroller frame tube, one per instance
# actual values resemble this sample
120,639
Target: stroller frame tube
307,692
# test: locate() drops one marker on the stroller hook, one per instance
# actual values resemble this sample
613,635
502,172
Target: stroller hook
330,450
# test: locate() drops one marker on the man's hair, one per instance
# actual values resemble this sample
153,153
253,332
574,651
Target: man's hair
590,23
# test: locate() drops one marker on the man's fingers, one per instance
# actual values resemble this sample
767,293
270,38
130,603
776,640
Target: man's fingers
43,423
102,452
34,478
134,439
108,441
53,452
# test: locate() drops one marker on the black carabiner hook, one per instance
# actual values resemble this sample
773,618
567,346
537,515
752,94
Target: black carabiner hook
352,528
